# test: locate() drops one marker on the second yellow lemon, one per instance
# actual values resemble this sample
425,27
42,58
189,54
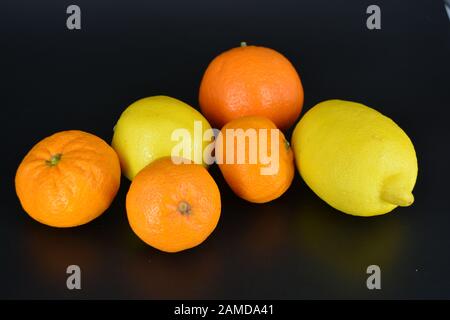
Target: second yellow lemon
145,130
354,158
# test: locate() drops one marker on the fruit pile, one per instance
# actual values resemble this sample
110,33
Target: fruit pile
354,158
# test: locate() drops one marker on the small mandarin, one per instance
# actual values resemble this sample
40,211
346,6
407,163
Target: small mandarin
251,81
68,179
173,207
256,180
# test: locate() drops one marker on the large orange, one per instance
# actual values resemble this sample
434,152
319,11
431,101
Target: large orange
173,207
68,179
251,81
251,177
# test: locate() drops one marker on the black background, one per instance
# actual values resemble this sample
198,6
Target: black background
54,79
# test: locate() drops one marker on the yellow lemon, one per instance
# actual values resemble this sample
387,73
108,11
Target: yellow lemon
354,158
145,132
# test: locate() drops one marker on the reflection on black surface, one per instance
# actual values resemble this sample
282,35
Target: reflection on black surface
50,251
265,235
187,275
344,244
245,257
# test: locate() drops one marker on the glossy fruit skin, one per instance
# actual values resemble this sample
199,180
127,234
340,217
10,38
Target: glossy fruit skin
251,81
143,132
75,189
154,199
354,158
246,179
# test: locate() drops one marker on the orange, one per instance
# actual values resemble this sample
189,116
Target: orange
247,178
68,179
173,207
251,81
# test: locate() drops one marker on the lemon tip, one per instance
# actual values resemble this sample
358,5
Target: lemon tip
402,199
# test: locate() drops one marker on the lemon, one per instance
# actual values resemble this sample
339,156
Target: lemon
354,158
144,132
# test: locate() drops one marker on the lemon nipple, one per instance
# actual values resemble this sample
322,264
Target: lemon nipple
395,191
